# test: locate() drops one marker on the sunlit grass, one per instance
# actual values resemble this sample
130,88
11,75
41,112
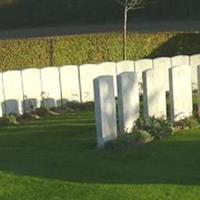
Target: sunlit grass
56,158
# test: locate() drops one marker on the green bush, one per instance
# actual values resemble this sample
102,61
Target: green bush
143,136
26,117
8,120
189,122
157,127
42,111
93,48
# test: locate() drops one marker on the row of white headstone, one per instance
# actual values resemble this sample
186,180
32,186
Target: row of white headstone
74,83
128,101
26,88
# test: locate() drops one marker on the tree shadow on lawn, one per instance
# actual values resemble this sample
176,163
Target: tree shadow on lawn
66,151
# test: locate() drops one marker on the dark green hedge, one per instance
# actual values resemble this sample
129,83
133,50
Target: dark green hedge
94,48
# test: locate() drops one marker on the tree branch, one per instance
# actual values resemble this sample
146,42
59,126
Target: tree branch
131,4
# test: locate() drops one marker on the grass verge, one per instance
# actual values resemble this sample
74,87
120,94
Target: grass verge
55,158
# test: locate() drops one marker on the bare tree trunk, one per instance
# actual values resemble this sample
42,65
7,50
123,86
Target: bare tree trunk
125,33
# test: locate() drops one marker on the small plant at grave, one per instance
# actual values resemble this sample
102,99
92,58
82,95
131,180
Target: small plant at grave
143,136
27,117
186,123
42,111
8,120
158,128
27,106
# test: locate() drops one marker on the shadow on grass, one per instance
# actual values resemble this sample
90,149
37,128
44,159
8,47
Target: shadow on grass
54,149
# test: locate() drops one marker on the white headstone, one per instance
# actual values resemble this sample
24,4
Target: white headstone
141,66
125,66
164,64
180,92
1,95
88,73
105,110
51,89
128,101
13,92
180,60
154,93
32,88
70,83
109,69
194,62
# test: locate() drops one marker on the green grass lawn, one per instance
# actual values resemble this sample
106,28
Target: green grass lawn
55,158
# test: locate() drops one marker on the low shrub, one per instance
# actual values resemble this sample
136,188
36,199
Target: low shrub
8,120
42,111
189,122
143,136
27,117
157,127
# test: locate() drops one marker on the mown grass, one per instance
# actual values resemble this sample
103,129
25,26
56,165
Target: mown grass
56,158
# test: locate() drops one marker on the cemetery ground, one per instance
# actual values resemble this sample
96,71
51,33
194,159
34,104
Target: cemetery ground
56,158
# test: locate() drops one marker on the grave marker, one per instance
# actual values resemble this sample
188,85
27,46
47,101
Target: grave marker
88,73
51,89
109,69
141,66
128,101
70,83
154,93
13,92
32,89
194,62
180,60
125,66
1,95
164,64
105,110
180,92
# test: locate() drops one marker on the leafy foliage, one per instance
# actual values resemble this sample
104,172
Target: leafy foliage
157,127
42,111
93,48
143,136
186,123
8,120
